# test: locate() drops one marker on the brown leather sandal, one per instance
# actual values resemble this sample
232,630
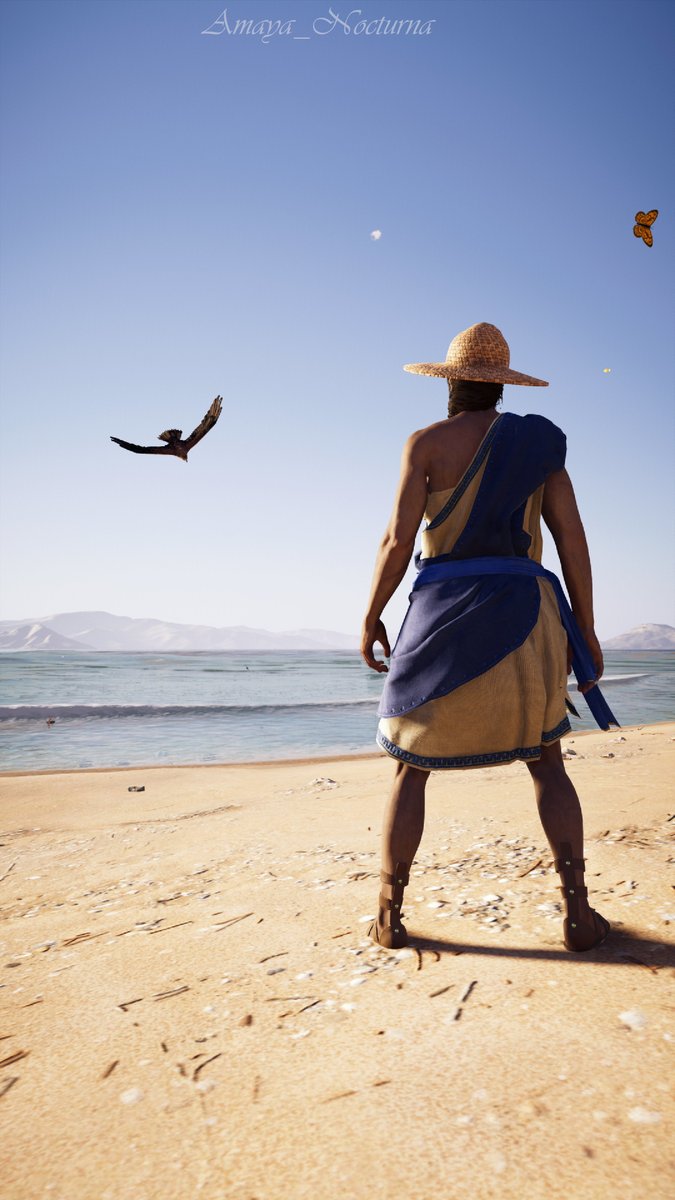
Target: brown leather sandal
578,934
394,934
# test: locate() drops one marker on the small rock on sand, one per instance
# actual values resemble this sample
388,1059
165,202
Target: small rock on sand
642,1116
633,1018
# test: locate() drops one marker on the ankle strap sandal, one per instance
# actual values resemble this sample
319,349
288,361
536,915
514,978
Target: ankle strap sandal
578,934
388,930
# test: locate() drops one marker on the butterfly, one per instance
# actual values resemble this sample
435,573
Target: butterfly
644,221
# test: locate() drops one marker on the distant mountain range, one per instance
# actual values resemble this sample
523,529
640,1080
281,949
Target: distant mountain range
643,637
105,631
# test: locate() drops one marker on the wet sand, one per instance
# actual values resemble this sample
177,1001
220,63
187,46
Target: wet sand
191,1007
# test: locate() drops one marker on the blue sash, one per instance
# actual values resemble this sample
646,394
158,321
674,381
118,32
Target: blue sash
433,570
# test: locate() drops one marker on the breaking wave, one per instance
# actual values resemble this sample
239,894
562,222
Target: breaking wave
64,712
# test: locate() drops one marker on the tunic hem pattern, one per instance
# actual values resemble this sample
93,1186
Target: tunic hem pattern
499,757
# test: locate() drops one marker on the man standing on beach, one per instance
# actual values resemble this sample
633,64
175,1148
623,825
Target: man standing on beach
479,671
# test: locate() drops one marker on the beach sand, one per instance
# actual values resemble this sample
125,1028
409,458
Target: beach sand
191,1008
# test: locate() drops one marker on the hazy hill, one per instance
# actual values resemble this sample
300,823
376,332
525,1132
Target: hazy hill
644,637
106,631
34,636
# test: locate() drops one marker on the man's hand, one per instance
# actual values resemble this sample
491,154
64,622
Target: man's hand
596,654
395,548
370,634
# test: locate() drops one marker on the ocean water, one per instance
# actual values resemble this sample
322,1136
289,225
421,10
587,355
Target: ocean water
87,709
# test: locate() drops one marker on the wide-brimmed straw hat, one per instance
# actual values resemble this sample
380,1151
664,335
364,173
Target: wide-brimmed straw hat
480,352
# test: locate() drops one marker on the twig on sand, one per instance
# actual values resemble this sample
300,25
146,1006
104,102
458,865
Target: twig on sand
279,954
173,992
464,996
267,998
10,868
109,1070
127,1003
7,1084
231,921
520,874
83,937
177,926
196,1071
306,1006
339,1096
12,1058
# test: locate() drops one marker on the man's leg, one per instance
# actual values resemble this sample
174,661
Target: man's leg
557,801
401,836
560,813
404,817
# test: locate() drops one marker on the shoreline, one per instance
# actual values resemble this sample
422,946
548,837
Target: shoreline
305,760
197,766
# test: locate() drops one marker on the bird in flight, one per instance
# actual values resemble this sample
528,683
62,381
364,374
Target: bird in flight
175,442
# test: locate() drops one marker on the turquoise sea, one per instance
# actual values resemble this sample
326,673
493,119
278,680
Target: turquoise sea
87,709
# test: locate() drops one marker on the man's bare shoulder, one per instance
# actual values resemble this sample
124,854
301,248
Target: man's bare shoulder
428,435
423,442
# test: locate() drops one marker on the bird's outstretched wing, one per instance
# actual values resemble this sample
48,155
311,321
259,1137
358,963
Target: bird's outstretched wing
205,424
142,449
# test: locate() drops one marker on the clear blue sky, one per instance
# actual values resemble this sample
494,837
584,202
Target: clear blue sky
185,214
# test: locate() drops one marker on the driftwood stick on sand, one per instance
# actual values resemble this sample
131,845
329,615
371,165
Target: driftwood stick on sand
201,1066
174,992
10,868
464,996
232,921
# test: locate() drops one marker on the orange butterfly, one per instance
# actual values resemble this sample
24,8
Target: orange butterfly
642,229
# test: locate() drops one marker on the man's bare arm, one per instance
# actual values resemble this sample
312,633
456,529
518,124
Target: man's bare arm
562,517
395,548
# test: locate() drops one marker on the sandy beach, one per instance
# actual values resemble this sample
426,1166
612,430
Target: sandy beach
191,1008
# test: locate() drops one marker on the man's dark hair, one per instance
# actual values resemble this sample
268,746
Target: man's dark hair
470,395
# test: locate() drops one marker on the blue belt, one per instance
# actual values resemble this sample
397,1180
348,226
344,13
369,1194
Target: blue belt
431,570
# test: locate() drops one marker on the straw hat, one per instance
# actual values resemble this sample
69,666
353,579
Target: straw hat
480,352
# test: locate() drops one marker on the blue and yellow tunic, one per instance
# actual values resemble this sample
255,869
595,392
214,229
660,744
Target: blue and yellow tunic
478,675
